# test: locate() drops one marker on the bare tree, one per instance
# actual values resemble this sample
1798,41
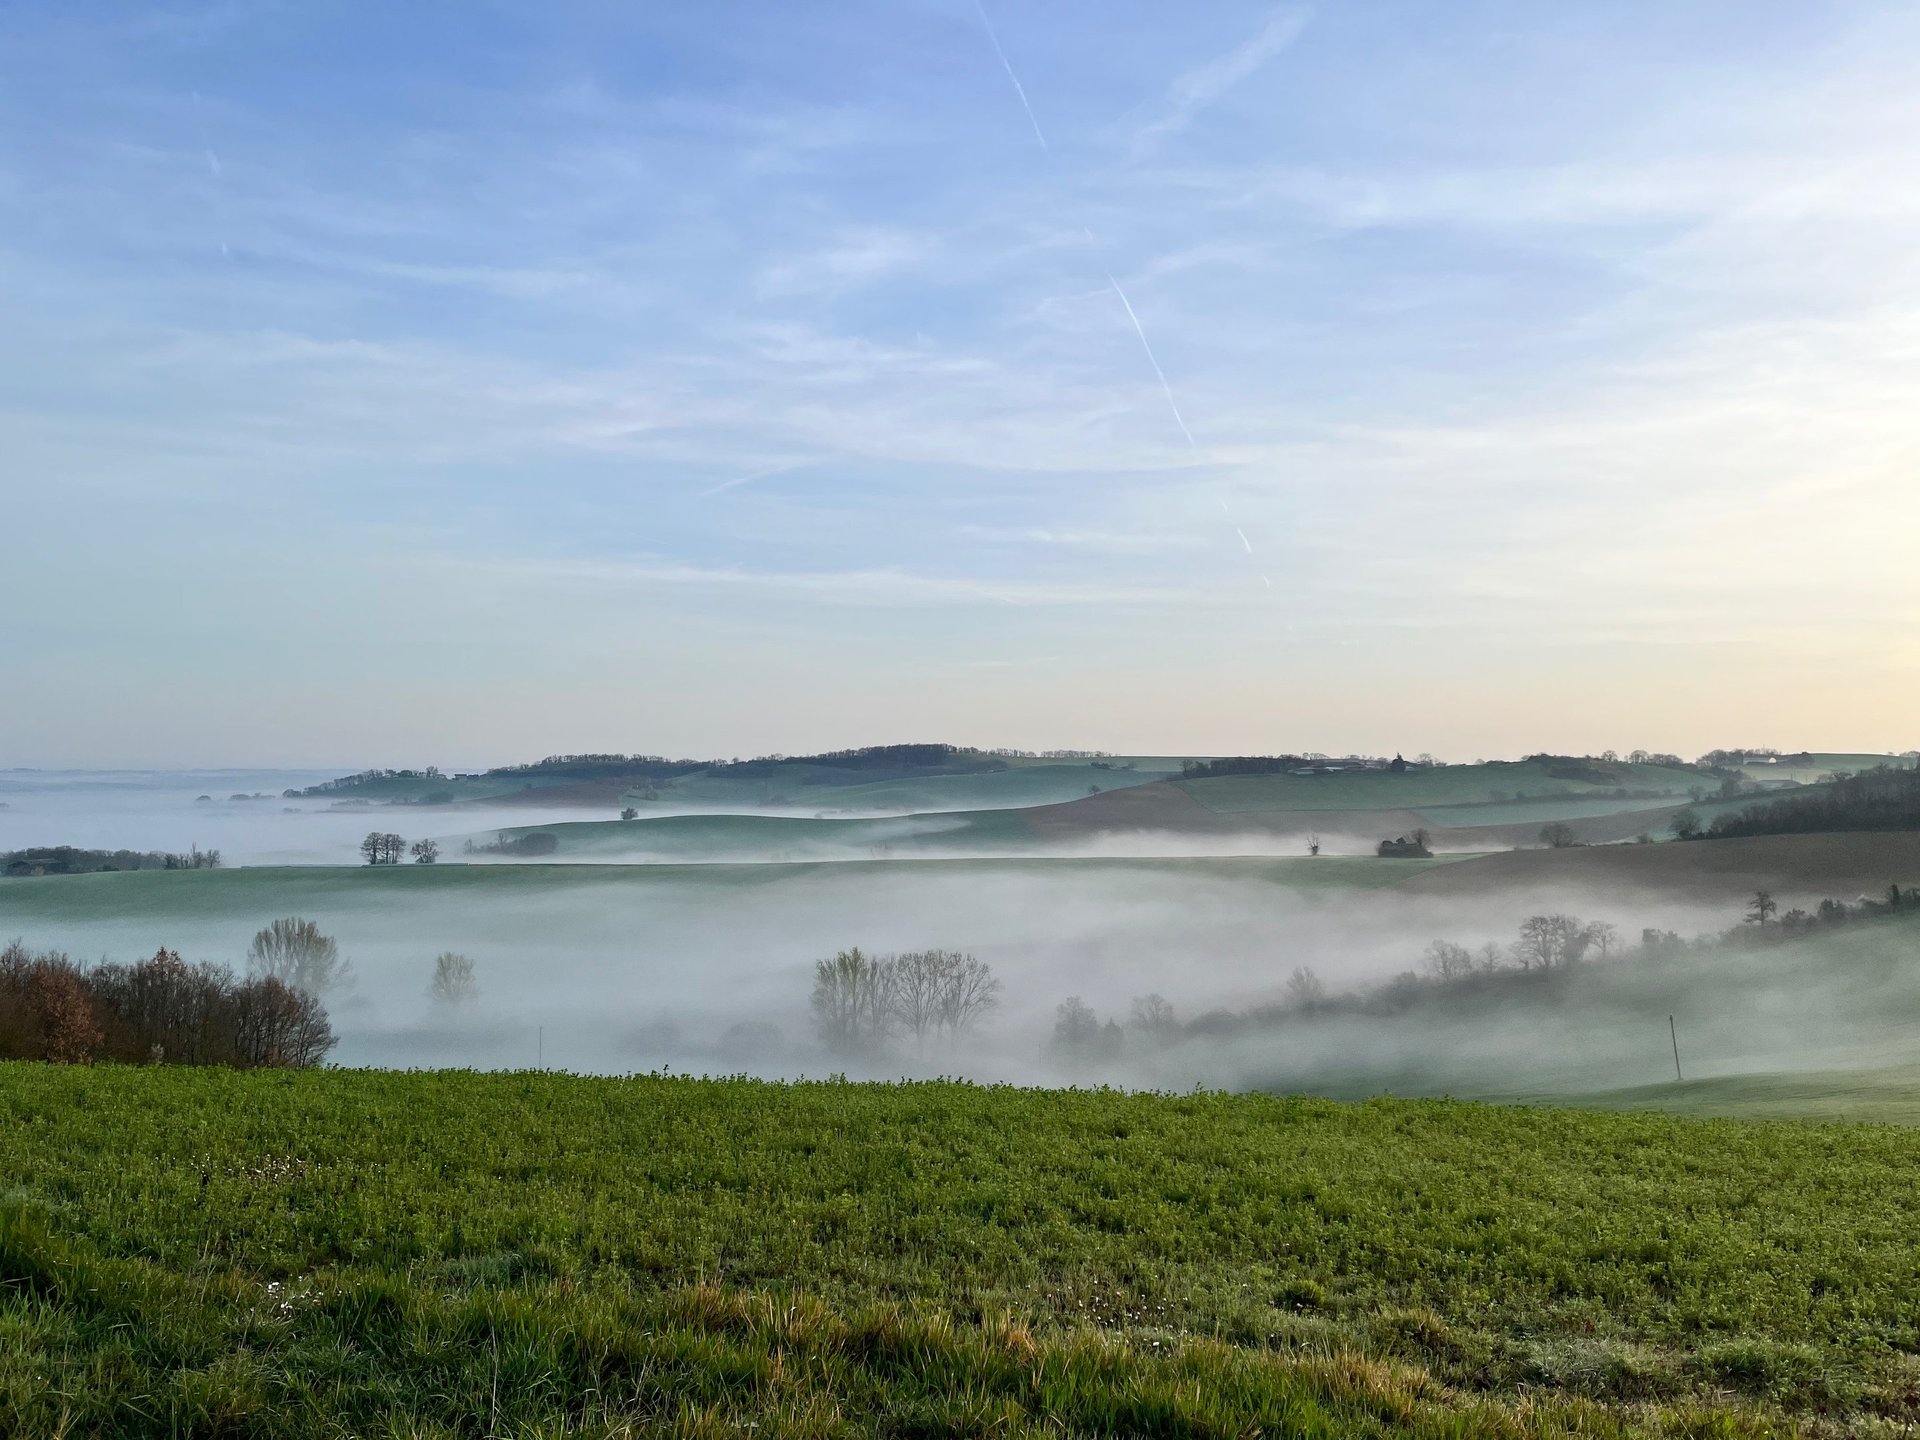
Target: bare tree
1154,1020
967,991
1603,935
1761,908
294,952
1448,961
1558,835
453,982
424,852
917,987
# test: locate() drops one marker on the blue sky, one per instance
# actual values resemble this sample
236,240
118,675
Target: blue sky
386,384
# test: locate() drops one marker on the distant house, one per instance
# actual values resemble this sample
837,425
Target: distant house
1404,848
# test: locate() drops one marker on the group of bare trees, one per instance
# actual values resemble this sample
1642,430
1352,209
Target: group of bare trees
386,848
160,1010
1545,942
1078,1031
862,1002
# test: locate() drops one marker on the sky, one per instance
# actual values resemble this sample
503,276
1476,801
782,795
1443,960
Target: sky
461,383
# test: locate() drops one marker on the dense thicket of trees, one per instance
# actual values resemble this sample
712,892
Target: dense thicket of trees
361,779
1882,799
158,1011
1079,1034
602,767
1546,949
536,844
71,860
1242,765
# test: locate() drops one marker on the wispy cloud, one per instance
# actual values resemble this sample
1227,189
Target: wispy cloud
1109,542
1201,86
1632,367
862,588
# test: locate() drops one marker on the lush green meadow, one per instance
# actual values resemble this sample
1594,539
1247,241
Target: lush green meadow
1022,783
1889,1095
363,1253
698,838
259,890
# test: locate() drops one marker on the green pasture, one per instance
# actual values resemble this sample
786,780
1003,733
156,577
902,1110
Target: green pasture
339,1253
1017,787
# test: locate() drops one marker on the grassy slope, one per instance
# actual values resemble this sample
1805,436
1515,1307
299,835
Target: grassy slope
1022,782
1884,1096
457,1254
695,838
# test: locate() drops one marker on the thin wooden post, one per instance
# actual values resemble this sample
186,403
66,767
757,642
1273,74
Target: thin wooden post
1674,1035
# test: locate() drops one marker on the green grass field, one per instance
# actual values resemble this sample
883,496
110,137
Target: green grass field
1883,1096
450,1254
697,838
1535,812
1019,786
266,890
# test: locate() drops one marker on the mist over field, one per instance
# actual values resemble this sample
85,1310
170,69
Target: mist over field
244,814
611,967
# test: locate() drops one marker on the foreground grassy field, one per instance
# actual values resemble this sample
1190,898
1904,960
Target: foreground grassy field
1890,1095
440,1254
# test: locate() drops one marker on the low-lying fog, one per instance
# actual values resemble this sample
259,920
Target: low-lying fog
709,967
243,816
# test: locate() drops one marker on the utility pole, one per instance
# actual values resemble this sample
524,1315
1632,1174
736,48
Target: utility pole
1674,1035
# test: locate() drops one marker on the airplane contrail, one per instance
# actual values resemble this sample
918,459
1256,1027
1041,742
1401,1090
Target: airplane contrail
1018,88
1166,389
765,474
1133,316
